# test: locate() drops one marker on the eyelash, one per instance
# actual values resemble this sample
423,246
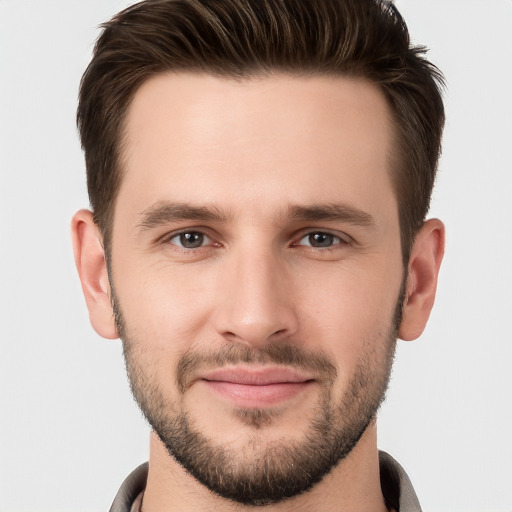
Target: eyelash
169,239
337,240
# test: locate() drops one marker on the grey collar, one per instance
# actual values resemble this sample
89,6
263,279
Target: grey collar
396,487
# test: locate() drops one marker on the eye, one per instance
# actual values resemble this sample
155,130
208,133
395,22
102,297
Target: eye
190,240
320,239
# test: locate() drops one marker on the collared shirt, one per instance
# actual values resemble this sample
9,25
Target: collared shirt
396,487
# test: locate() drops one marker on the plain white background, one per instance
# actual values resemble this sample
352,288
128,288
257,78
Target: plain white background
69,430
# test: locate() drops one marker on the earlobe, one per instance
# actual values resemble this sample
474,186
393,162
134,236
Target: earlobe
92,269
423,270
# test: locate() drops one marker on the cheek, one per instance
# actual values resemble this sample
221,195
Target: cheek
164,316
162,307
161,313
169,308
352,310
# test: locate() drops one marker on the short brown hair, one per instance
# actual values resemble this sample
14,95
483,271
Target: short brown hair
246,38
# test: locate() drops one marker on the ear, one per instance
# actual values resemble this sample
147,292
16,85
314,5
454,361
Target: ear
424,263
92,269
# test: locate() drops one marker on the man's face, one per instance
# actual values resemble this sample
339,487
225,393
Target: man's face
257,273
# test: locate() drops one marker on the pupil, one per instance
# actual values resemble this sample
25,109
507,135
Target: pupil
321,240
191,240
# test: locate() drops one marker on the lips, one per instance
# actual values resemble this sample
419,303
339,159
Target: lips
256,386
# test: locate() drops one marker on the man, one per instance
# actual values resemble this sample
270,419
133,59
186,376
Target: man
259,175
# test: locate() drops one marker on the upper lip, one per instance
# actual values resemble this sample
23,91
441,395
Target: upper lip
256,376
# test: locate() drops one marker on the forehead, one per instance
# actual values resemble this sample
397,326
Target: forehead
258,142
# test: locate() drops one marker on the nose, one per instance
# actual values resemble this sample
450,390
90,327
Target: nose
256,300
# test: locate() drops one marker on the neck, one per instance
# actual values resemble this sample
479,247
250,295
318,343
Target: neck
354,484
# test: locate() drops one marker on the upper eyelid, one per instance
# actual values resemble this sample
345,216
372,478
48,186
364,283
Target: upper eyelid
179,233
321,232
208,242
171,234
294,238
344,237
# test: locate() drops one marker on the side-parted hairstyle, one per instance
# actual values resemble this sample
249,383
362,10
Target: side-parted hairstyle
242,39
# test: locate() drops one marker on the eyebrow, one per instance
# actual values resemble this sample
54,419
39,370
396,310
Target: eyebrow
339,212
164,212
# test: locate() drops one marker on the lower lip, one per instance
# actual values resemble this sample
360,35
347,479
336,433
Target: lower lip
246,395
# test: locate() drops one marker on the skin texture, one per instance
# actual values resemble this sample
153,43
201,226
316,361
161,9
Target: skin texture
265,164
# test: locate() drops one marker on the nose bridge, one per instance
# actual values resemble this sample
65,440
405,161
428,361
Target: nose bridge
256,307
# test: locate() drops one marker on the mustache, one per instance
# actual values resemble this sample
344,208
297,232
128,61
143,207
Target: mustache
276,353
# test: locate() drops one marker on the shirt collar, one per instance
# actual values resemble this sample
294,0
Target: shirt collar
396,487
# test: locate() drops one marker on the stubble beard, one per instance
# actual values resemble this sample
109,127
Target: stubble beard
279,469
